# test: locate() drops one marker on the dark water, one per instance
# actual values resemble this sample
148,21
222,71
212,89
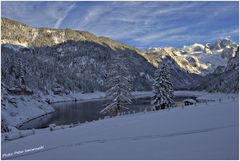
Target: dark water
75,112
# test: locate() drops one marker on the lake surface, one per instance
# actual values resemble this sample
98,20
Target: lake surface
75,112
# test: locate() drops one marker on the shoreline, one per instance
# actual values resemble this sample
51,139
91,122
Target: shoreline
136,96
87,97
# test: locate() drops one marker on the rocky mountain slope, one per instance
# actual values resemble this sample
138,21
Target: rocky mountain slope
216,64
197,58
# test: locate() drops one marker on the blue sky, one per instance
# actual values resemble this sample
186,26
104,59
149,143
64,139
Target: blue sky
140,24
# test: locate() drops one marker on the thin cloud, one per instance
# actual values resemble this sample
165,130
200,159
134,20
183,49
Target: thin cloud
161,35
59,21
135,23
92,15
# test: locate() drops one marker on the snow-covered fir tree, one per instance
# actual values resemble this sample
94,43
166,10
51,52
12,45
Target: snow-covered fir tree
120,86
162,88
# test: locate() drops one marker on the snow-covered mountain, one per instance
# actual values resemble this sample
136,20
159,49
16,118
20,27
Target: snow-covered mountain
197,58
77,61
64,60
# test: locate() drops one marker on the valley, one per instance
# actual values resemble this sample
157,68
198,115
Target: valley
57,83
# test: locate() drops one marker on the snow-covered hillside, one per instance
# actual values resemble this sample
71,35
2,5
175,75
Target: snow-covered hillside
68,67
65,60
205,131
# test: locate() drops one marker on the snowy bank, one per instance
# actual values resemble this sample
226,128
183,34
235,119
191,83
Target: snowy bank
89,96
74,97
17,110
204,131
206,95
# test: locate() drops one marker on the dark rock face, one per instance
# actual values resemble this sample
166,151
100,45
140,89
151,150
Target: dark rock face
225,81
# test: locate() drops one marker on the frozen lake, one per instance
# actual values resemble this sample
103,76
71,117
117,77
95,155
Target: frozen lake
75,112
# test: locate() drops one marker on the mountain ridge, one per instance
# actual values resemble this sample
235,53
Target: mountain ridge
82,47
51,36
80,35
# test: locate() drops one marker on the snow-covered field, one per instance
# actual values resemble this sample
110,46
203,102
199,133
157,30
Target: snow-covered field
204,131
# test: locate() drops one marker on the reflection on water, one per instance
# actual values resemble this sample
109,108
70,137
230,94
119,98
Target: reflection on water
75,112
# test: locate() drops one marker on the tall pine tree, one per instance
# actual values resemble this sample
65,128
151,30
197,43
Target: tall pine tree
120,86
162,88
